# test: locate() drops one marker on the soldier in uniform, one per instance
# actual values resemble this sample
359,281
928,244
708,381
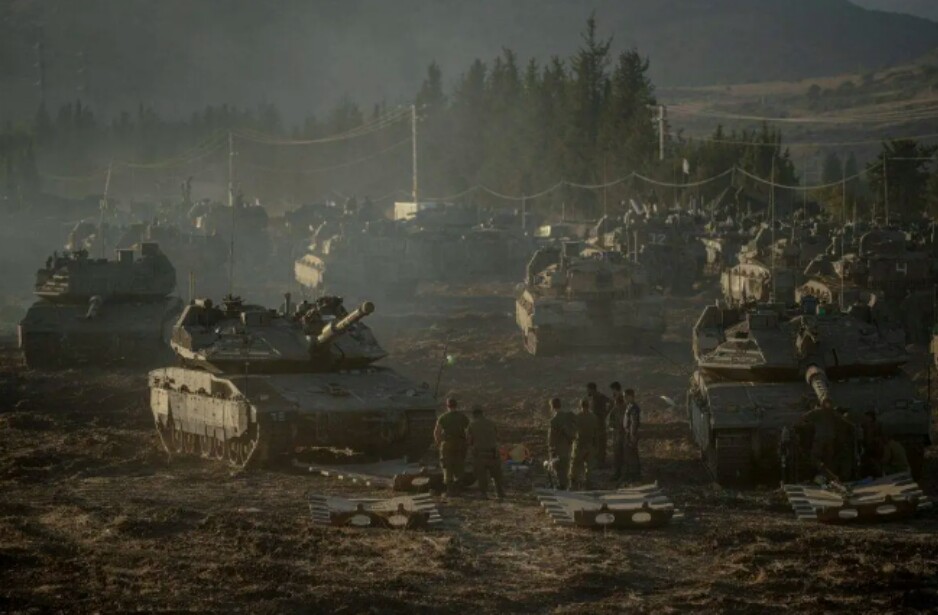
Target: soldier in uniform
560,436
584,446
616,424
893,459
482,437
827,426
450,436
599,406
873,439
632,469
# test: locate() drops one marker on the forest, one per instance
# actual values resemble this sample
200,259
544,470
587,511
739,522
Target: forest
517,127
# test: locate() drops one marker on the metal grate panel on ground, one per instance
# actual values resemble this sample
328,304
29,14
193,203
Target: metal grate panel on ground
394,474
641,507
892,497
400,512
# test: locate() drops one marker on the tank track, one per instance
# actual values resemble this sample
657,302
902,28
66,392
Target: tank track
730,459
243,452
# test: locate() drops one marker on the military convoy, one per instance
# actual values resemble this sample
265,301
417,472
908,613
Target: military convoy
257,385
583,297
761,367
98,311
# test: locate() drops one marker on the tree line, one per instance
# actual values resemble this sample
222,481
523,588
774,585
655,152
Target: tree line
515,127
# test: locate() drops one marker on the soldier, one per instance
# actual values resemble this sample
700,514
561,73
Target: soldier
560,436
481,436
450,436
584,446
872,441
599,406
633,418
616,424
826,426
893,458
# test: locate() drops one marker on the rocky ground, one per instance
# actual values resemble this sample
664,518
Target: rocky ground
93,516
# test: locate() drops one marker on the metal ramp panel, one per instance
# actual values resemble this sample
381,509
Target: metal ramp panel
889,498
399,512
642,507
396,474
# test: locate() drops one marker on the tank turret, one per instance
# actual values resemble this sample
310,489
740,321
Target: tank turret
99,311
75,277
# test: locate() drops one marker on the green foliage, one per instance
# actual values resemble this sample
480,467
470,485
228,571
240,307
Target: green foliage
905,181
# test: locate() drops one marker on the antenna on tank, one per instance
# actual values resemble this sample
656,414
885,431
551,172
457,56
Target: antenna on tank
101,207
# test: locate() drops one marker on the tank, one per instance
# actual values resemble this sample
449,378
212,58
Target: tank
99,311
257,385
586,298
761,367
359,259
884,272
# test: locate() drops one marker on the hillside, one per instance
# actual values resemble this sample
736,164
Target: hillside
305,55
846,112
920,8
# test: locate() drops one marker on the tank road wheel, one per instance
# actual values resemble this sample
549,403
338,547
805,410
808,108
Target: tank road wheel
219,451
206,446
730,459
233,447
179,436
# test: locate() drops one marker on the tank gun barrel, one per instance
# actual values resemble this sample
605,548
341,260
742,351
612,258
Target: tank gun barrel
335,329
817,378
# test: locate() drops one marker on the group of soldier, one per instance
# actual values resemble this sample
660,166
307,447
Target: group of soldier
834,445
577,442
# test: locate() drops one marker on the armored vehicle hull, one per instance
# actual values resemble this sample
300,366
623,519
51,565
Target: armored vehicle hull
551,325
260,418
356,277
737,425
54,335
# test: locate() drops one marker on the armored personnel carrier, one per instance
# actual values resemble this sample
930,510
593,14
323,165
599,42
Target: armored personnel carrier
96,311
760,368
577,297
256,385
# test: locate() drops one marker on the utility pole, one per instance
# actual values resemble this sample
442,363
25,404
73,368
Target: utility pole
662,114
231,155
524,213
605,207
885,191
772,210
843,234
413,143
40,66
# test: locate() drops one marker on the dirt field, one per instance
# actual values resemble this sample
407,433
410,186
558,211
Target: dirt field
93,517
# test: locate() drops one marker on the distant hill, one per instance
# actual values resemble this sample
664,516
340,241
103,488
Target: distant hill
920,8
304,55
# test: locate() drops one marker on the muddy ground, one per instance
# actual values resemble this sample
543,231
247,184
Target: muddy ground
93,516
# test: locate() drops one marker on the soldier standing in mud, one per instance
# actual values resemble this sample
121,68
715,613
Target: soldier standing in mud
482,436
599,406
632,465
827,434
616,424
588,429
560,435
450,436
